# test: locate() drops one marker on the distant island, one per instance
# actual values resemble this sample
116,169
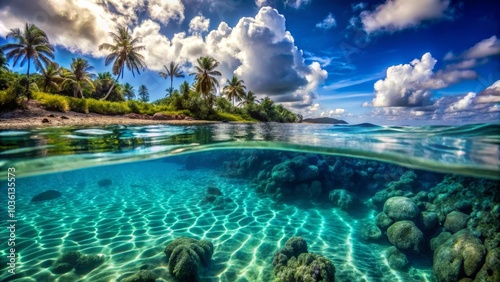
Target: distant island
325,120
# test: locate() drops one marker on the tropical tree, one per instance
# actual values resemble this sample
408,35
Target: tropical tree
124,52
173,70
50,78
205,77
184,90
143,93
128,91
78,77
234,90
3,61
32,46
249,99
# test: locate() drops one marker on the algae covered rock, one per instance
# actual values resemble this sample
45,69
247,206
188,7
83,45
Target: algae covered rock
307,267
455,221
282,172
405,235
370,232
342,198
293,263
401,208
461,256
396,258
82,264
86,263
140,276
490,272
186,256
428,220
383,221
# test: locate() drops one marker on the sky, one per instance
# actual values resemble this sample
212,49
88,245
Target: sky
402,62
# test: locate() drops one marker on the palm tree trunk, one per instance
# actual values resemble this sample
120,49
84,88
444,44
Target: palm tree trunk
28,95
171,84
112,86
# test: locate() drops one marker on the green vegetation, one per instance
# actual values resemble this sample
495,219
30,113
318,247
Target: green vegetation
124,52
80,89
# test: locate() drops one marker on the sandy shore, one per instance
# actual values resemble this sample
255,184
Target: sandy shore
37,117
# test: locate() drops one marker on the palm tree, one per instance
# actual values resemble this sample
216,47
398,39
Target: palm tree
235,90
172,71
128,91
143,93
248,99
33,47
50,78
184,90
79,76
124,52
3,61
205,77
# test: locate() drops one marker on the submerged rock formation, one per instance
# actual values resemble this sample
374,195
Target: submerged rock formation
46,196
186,256
82,264
140,276
293,263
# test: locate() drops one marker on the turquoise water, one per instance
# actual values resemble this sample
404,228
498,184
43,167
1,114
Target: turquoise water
129,191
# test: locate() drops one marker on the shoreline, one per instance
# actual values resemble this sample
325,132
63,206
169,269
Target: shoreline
37,117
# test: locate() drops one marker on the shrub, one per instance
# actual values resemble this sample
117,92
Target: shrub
78,105
52,102
226,116
108,108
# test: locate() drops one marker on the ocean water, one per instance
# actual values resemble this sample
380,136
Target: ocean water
127,191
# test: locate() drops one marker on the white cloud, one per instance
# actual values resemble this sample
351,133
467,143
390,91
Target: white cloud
297,3
166,10
394,15
328,23
462,104
358,6
260,3
199,24
490,94
411,84
484,48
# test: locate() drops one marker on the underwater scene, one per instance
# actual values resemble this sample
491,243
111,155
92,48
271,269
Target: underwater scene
251,202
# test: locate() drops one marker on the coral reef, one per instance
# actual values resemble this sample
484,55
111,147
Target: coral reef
186,256
342,198
396,258
405,235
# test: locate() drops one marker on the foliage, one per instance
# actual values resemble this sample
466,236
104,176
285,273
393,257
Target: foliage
234,90
143,93
9,99
52,102
124,52
78,77
103,85
205,77
108,108
172,71
78,105
50,78
32,46
128,91
227,116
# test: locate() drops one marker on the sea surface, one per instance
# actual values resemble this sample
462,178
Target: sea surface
127,191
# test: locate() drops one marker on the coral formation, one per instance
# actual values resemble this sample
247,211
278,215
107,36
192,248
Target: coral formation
140,276
186,256
293,263
405,235
76,260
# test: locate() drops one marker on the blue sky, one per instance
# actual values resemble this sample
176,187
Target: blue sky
383,61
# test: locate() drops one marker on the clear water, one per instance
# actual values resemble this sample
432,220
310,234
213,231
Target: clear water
156,192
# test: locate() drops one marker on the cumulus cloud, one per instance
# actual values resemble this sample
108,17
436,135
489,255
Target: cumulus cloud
490,94
80,26
260,3
410,85
199,24
166,10
394,15
328,23
358,6
257,49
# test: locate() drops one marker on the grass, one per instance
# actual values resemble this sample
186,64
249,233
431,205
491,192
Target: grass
52,102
